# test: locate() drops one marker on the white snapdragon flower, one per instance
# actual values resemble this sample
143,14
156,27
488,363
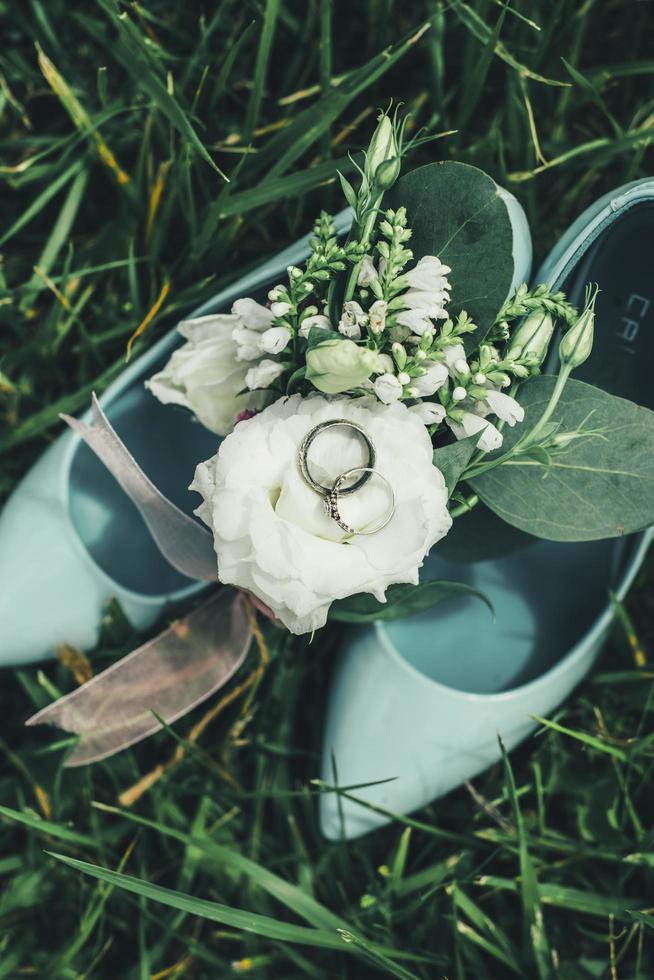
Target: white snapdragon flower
388,388
435,377
263,374
453,355
318,320
252,319
377,316
429,413
248,343
280,308
431,303
275,339
271,533
205,374
490,437
428,274
352,319
504,406
367,272
417,321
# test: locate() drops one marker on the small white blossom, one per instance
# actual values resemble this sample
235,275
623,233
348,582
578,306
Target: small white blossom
431,413
352,320
434,378
417,321
275,339
430,302
367,272
388,388
461,366
490,438
453,354
263,374
385,364
248,344
318,320
280,309
403,378
377,316
504,406
429,273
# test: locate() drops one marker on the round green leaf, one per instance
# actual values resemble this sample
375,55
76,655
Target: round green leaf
456,212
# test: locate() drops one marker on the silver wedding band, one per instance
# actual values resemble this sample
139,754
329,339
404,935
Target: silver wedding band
331,501
306,445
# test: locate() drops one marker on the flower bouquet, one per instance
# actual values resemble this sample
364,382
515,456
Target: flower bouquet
395,382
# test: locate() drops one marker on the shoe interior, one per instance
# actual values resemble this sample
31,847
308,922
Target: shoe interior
168,444
547,594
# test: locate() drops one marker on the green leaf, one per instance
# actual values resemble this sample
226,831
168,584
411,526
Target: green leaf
601,485
457,213
402,600
452,460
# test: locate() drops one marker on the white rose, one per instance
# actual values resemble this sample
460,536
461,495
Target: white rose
318,320
271,533
204,374
434,378
275,339
263,374
388,388
490,438
429,413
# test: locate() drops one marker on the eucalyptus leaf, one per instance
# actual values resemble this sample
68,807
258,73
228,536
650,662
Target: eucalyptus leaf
599,485
402,600
453,458
458,213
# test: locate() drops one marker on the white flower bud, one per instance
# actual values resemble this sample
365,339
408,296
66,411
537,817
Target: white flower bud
461,366
388,388
275,339
458,394
403,378
479,378
263,374
280,309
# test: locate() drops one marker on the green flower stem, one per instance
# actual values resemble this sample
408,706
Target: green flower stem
476,469
363,240
465,506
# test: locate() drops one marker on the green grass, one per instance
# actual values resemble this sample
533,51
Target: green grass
119,124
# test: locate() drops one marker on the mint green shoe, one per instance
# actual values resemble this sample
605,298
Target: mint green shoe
70,538
421,701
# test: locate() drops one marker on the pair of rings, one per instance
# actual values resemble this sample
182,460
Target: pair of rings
339,487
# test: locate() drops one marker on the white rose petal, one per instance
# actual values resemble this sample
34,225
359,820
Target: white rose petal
275,339
490,437
429,413
388,388
263,374
271,533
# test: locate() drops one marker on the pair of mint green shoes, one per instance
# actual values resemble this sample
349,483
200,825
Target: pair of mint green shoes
416,705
